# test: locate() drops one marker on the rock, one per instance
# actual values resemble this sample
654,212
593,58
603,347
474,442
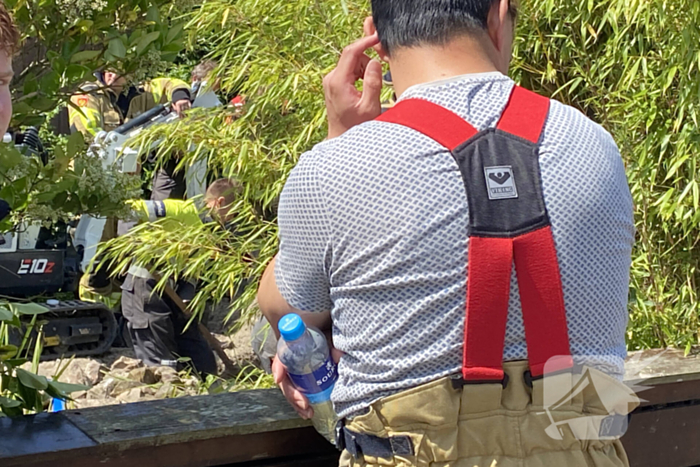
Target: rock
149,391
78,395
132,395
94,372
166,374
166,391
126,364
143,375
104,389
225,342
47,369
86,403
123,386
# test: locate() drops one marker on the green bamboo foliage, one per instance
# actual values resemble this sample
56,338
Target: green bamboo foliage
630,65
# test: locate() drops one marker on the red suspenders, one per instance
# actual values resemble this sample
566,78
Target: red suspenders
495,244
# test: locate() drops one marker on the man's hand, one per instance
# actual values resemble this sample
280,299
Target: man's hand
295,397
346,105
181,106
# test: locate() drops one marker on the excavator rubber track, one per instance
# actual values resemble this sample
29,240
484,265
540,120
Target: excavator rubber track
77,328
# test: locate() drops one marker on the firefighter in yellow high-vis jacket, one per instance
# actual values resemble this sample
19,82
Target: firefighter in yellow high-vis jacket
107,102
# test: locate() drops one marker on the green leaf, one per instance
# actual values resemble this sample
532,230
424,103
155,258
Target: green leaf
76,143
6,314
145,41
8,352
9,403
85,56
9,156
15,362
153,14
174,32
67,388
76,72
28,308
117,48
50,83
42,103
30,84
31,380
344,4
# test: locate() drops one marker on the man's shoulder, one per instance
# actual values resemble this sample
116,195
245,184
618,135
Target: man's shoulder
567,125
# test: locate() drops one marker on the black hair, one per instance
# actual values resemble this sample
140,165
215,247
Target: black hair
409,23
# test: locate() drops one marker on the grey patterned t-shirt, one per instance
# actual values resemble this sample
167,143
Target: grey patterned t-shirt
373,227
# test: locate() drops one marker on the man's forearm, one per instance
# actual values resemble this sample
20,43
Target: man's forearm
274,306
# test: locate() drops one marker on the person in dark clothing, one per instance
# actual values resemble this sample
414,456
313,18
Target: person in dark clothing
4,209
169,183
157,325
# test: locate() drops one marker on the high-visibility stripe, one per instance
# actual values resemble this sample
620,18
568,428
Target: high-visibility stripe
151,208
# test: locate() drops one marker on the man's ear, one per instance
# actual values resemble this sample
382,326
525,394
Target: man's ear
220,202
369,30
498,21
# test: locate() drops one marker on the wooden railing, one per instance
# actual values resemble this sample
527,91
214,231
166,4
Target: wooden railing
258,428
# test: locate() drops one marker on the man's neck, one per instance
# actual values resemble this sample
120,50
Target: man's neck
423,64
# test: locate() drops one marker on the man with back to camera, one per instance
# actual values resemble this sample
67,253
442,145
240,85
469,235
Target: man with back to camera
380,224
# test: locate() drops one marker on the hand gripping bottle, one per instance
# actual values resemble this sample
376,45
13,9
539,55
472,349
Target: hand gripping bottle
304,351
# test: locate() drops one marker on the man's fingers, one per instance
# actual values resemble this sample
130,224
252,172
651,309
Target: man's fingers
296,398
361,66
372,88
353,53
279,372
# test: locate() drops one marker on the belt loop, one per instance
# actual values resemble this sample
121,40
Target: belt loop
458,382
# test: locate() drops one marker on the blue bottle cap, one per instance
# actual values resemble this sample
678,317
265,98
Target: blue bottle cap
291,327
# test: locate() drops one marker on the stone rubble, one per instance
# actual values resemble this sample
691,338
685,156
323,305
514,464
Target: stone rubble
119,378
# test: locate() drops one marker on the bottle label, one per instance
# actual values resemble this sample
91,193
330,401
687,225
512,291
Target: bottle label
319,381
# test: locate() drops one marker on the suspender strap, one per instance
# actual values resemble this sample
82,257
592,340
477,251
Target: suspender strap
536,263
488,292
525,115
542,300
491,259
434,121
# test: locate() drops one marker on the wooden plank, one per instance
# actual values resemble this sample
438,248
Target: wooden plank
664,438
174,421
328,460
44,433
235,450
664,394
657,367
259,428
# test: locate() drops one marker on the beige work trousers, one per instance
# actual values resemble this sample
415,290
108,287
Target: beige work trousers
488,426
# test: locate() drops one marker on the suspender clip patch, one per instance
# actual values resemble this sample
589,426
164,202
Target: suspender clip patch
500,182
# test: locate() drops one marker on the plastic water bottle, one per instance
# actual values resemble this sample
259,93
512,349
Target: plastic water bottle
304,351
